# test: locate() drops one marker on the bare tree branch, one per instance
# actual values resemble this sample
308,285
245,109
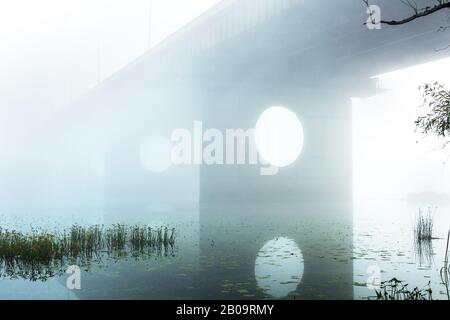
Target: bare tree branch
436,99
418,13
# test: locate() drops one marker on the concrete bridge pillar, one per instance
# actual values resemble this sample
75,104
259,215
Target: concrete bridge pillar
309,202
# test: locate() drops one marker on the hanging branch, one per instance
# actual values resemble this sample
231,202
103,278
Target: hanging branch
417,13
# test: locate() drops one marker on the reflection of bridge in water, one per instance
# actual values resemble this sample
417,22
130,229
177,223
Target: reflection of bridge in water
225,69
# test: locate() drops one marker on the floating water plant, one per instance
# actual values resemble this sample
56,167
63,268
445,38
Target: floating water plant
398,290
40,254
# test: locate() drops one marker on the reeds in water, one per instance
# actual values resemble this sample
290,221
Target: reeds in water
395,289
143,237
423,229
445,270
38,255
423,236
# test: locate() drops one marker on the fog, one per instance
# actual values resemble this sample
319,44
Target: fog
252,127
391,158
59,57
54,51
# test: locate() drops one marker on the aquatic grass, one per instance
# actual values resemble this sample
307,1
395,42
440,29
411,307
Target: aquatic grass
446,251
116,238
445,270
147,237
40,254
423,236
395,289
424,225
424,252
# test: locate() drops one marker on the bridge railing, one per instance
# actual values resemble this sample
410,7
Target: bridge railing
237,18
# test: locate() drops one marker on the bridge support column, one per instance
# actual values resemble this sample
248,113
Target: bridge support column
309,202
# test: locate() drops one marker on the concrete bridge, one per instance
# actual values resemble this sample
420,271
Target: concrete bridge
226,68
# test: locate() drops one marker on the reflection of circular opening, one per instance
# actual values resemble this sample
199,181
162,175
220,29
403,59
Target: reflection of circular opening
279,267
279,136
155,154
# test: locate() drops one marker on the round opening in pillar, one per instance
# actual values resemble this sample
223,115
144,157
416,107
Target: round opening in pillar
155,154
279,136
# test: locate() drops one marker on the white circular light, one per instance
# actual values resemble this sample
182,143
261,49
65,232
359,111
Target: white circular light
279,267
155,154
279,136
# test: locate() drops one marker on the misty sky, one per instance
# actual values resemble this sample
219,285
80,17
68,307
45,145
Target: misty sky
391,159
52,51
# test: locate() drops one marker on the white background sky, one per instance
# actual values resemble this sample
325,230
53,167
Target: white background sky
391,159
50,49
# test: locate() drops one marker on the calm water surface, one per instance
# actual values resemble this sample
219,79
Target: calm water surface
282,255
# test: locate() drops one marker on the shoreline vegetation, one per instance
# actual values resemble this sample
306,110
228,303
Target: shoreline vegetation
39,255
